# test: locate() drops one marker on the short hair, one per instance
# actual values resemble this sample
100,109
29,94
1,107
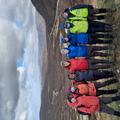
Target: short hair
66,66
69,97
62,50
66,10
62,62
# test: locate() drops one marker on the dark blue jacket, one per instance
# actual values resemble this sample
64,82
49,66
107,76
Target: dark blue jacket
77,51
90,7
75,39
84,76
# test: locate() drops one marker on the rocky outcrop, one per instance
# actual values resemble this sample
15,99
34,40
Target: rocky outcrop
47,9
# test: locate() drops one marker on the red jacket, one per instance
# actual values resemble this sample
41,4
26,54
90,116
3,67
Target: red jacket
78,64
86,104
87,89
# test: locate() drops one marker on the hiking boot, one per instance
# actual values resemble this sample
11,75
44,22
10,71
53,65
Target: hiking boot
108,28
112,10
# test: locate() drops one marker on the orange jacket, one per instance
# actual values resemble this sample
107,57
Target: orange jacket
87,89
86,104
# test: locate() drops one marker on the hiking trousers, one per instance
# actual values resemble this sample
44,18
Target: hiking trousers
99,38
98,51
95,26
104,84
106,109
95,64
97,74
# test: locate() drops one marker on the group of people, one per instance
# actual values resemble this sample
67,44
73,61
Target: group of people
86,38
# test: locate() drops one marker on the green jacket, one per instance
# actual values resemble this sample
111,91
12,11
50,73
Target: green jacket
79,14
79,26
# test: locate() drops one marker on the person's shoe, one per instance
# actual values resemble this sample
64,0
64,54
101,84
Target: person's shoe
114,91
116,98
108,28
109,36
108,41
115,80
112,10
117,113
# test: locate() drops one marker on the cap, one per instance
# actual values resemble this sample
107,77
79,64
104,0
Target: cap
66,10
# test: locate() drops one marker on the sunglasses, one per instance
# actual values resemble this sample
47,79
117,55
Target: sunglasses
67,25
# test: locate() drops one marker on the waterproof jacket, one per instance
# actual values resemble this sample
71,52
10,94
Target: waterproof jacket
79,12
86,89
78,26
80,64
86,104
77,51
75,39
84,75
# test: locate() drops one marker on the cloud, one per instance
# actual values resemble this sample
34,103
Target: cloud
22,116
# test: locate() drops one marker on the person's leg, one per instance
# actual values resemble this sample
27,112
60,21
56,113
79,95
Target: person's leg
93,51
107,100
94,66
99,41
102,74
98,48
101,24
105,83
106,109
102,92
100,17
95,26
105,36
103,66
101,54
103,10
99,61
93,36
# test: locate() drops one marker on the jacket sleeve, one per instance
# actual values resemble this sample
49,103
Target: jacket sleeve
87,110
81,6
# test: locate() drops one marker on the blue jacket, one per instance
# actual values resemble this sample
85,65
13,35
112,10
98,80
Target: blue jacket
75,39
77,51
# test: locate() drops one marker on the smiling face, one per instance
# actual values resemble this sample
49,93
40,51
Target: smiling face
66,63
65,15
64,51
73,100
65,45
